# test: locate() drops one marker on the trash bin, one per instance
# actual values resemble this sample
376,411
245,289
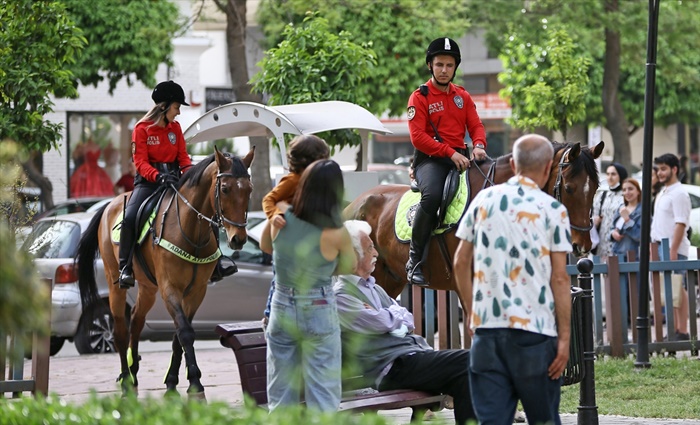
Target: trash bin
574,372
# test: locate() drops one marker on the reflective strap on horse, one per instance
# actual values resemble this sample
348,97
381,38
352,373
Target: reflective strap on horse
181,253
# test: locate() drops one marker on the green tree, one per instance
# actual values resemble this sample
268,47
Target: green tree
613,34
23,299
313,64
398,32
547,84
235,12
126,39
44,54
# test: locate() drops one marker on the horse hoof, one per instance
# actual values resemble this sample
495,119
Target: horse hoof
172,393
198,396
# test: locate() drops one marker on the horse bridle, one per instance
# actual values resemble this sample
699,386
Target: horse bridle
557,192
219,212
218,219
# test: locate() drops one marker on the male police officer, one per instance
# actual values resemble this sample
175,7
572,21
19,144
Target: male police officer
439,115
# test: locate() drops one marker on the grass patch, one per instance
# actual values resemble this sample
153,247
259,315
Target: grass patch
669,389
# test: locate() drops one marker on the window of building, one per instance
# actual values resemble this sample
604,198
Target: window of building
99,151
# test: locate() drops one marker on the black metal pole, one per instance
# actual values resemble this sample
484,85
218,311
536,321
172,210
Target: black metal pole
650,90
587,409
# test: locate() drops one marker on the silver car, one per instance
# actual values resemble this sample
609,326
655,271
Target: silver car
54,241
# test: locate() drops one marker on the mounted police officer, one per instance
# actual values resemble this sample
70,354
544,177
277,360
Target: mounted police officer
160,155
439,115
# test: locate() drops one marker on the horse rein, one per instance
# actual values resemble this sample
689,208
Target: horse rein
557,192
218,218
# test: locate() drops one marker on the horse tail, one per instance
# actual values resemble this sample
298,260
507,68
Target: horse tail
87,253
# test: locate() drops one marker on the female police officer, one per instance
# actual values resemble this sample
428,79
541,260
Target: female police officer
439,114
158,149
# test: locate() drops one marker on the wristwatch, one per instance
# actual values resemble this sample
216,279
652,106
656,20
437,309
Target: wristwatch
479,145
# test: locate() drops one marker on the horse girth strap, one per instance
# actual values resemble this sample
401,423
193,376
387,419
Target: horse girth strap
184,255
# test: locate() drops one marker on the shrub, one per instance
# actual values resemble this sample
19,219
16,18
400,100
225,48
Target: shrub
115,410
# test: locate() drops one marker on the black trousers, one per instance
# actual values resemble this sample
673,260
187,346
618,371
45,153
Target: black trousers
437,372
431,175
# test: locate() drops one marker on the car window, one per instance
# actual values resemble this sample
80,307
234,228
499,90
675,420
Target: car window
53,239
694,201
250,253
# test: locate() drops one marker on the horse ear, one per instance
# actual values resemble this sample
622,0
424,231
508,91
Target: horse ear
220,157
598,149
248,159
573,153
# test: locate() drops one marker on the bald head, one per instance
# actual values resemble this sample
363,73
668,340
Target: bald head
532,153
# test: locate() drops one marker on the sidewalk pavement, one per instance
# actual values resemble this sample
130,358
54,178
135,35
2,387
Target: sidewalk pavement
73,378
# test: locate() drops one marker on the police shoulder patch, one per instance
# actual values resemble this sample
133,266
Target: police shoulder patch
411,112
459,101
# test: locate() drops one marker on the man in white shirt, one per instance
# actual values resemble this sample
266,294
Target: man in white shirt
671,218
378,337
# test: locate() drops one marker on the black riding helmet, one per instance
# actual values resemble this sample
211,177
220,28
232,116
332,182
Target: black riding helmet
169,91
443,46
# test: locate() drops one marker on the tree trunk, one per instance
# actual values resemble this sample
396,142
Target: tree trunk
235,11
578,133
35,174
615,119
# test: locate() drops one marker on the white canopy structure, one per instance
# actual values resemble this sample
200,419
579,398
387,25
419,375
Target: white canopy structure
254,119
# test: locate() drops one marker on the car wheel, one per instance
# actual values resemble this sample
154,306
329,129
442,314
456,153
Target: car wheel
95,333
55,346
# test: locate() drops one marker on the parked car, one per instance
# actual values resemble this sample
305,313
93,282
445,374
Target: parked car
54,242
390,173
70,205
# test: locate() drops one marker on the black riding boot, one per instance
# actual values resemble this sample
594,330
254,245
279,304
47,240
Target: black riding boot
224,267
126,273
422,227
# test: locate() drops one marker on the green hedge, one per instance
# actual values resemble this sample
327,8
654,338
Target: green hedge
115,410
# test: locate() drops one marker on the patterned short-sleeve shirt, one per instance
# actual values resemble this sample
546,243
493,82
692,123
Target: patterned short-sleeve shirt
514,227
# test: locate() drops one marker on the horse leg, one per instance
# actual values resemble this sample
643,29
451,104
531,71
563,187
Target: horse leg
144,302
171,377
185,334
117,304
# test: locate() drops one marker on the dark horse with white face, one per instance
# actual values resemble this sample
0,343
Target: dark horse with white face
573,180
212,194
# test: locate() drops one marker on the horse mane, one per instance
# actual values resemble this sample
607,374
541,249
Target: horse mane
194,174
585,161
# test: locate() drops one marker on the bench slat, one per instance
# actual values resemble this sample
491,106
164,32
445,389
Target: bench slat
247,340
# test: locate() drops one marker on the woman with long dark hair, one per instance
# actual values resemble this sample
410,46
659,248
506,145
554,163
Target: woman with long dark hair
303,335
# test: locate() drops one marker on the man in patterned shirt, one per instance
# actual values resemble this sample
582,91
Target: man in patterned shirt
520,304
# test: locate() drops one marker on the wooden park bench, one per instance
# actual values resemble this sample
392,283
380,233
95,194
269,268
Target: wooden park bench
247,340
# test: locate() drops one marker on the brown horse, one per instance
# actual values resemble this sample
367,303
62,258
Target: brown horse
213,193
573,180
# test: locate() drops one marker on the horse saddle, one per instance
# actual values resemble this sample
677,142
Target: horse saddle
144,218
453,205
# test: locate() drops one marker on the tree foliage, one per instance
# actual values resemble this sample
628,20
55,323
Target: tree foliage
23,299
398,32
591,25
313,64
126,39
546,84
38,44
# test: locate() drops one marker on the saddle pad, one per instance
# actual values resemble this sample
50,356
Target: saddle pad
405,212
117,228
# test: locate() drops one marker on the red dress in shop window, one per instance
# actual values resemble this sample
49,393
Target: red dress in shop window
90,179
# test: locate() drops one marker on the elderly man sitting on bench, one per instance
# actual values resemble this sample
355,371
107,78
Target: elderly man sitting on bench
378,339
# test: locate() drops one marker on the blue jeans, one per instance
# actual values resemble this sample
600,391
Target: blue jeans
507,365
303,349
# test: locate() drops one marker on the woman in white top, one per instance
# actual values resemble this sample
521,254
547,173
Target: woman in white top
605,205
